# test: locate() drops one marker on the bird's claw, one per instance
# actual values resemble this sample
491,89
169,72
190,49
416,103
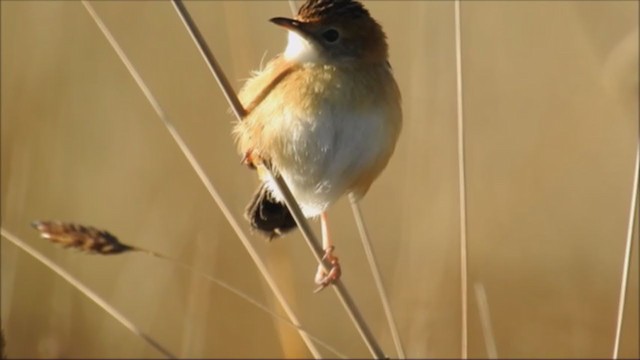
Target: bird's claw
324,278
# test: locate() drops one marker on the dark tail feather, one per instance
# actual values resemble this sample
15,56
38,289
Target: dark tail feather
269,216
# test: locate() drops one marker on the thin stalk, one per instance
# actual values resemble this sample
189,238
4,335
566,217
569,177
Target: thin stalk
305,229
246,298
90,240
338,285
462,187
262,268
243,296
624,282
485,319
87,292
293,6
375,271
377,278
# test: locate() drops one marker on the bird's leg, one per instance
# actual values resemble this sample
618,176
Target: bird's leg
248,159
324,278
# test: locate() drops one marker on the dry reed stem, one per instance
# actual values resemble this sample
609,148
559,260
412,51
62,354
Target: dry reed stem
624,282
462,186
86,239
371,260
485,320
201,174
293,6
377,277
87,292
303,225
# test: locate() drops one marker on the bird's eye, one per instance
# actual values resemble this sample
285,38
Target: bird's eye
331,35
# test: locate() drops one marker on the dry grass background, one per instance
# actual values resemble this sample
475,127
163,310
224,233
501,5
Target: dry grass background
551,116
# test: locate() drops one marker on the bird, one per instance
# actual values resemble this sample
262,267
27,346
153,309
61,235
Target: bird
325,115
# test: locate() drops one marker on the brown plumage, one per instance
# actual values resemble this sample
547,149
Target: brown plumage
325,115
313,10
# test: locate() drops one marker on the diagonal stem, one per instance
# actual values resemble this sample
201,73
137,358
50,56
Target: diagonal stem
485,319
87,292
293,6
624,282
307,233
377,278
203,178
247,298
375,270
338,285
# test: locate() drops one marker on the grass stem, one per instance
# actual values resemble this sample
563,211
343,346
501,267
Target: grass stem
485,320
87,292
262,268
290,201
377,277
462,187
624,282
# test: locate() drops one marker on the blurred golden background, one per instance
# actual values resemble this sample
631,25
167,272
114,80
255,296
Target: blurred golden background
551,115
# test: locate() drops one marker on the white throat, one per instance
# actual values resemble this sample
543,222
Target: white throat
299,49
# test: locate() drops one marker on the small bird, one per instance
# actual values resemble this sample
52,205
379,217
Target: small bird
325,115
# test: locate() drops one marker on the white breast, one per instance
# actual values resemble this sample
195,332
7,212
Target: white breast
322,157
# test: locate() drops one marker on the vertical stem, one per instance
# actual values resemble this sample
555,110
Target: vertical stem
462,186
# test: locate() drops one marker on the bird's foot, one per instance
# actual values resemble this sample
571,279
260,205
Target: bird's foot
324,278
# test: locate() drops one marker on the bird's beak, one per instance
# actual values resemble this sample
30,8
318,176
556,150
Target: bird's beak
286,23
291,24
